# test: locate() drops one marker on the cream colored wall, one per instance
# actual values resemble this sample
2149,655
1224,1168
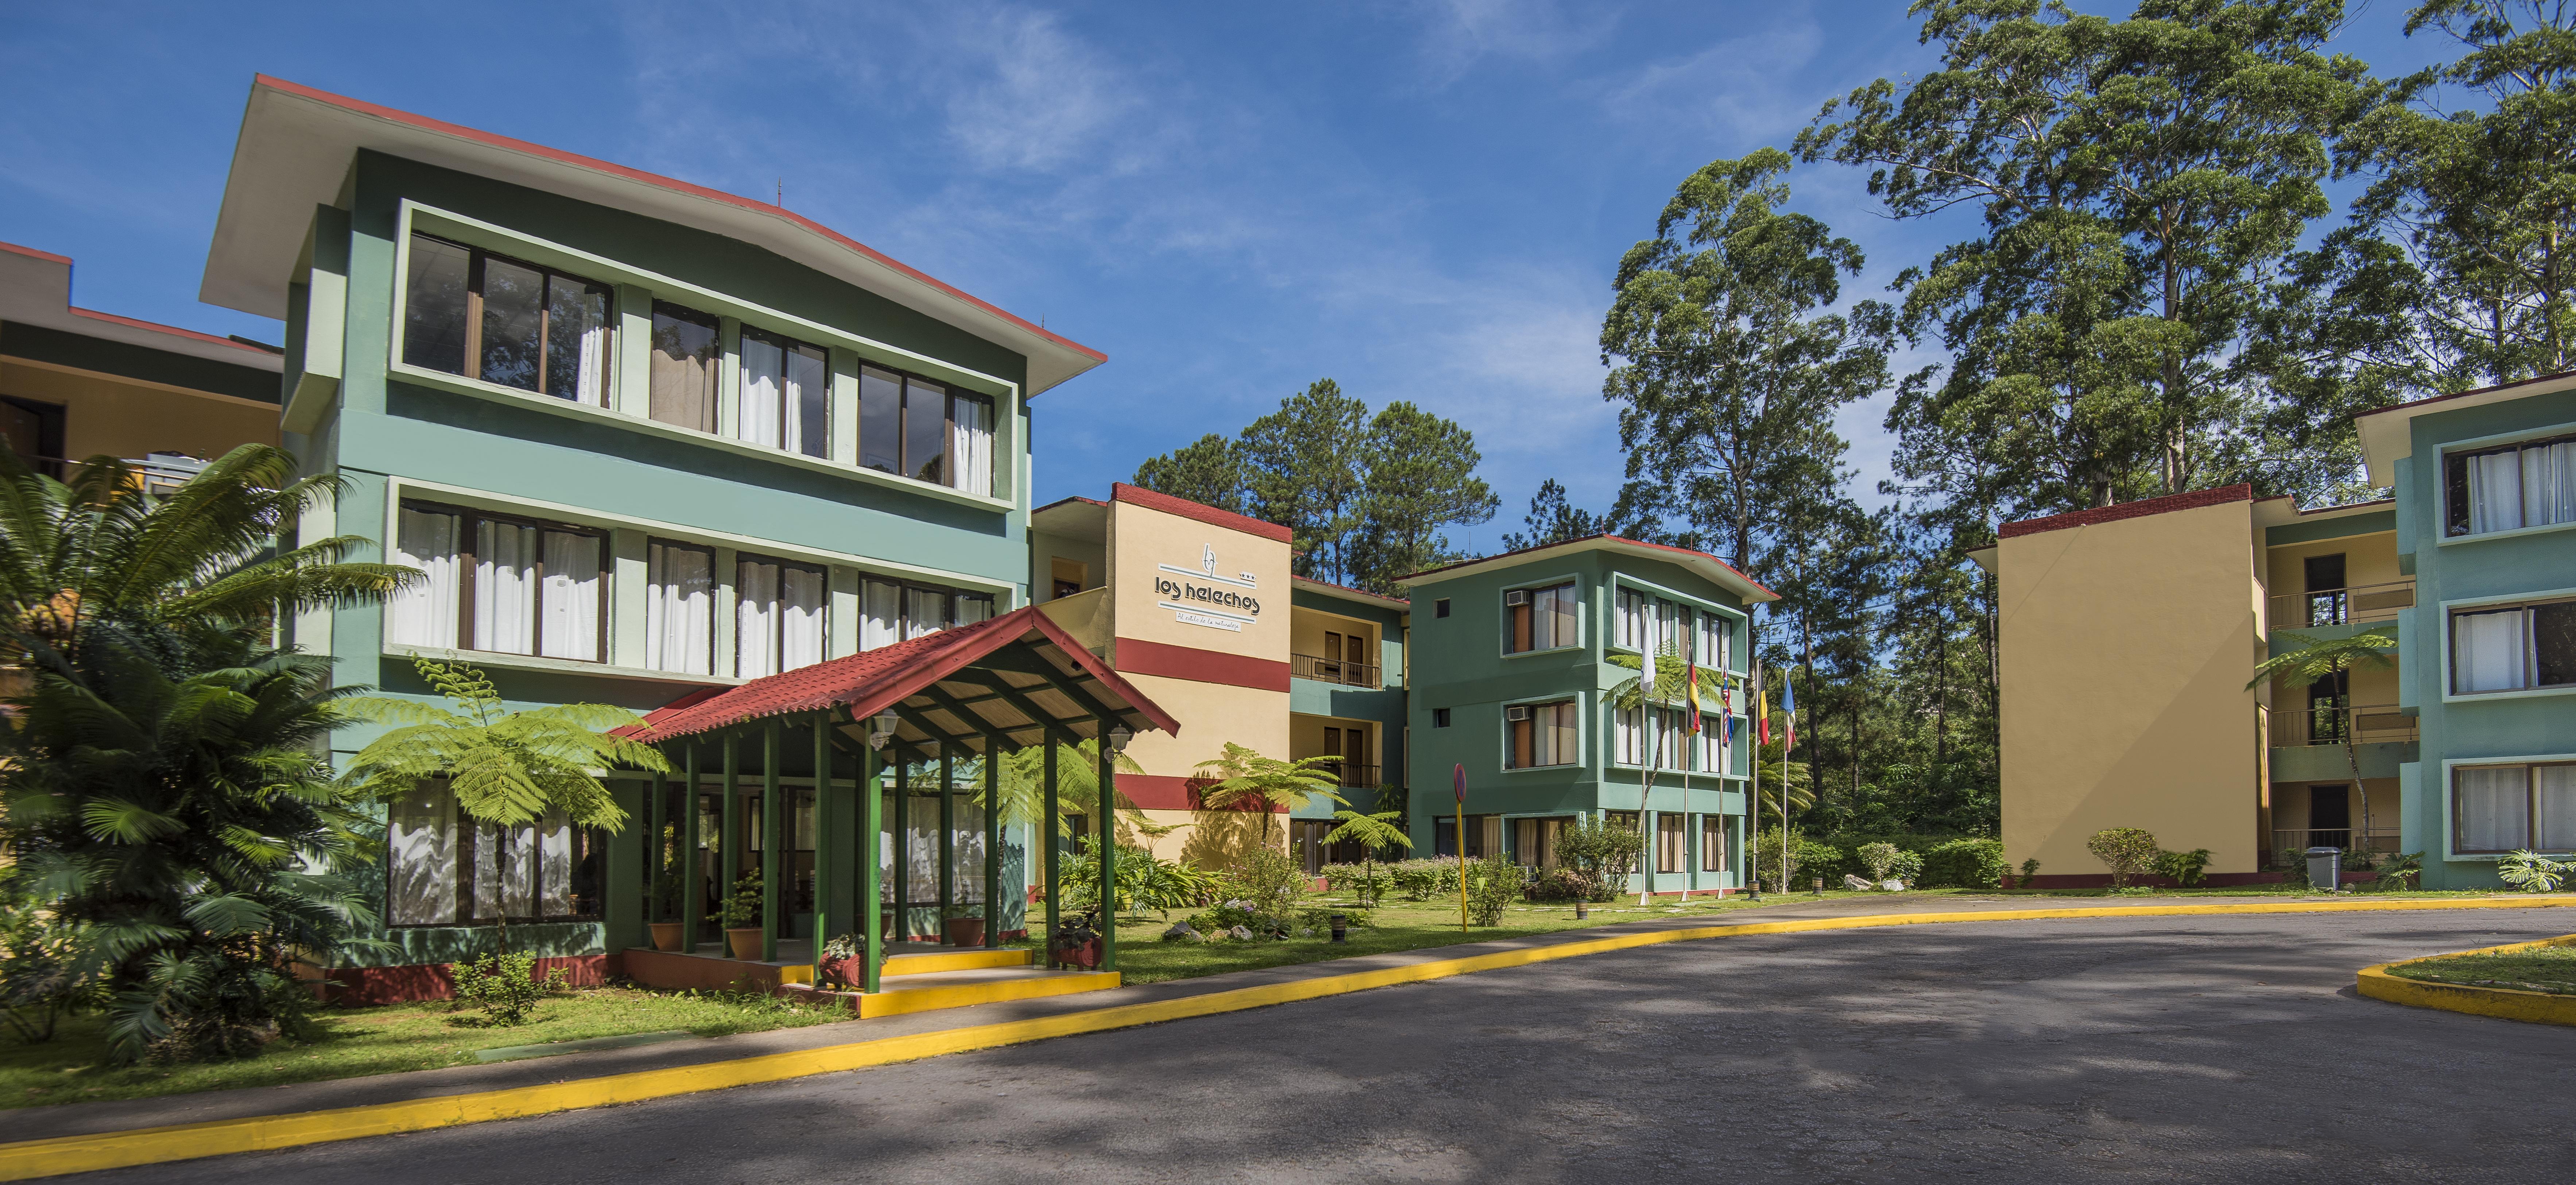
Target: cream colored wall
1045,549
1306,737
2125,649
1306,629
2290,811
1210,715
126,419
2368,559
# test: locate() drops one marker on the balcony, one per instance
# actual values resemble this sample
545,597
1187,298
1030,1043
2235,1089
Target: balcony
2341,606
2362,724
1328,670
1354,775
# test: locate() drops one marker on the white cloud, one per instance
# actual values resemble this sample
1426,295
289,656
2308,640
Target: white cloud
1040,99
1458,35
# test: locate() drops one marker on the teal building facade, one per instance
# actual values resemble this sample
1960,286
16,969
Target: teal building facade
1346,699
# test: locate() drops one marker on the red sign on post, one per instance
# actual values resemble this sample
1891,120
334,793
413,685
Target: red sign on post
1458,777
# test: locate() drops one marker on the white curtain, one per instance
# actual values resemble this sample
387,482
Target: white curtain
592,385
554,864
2553,795
505,865
755,632
809,393
679,609
922,833
2495,492
924,612
800,630
881,619
756,414
505,588
970,444
568,606
971,608
2549,484
1553,729
2487,651
1552,617
425,614
1631,738
968,848
1631,625
2493,808
420,872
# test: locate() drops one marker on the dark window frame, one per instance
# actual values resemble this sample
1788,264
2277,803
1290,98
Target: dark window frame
2530,804
591,843
476,258
2455,479
788,345
466,541
2531,675
905,462
778,620
1515,732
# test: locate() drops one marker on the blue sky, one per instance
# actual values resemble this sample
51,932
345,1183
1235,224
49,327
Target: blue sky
1423,201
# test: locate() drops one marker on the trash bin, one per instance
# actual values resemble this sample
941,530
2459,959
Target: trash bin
2325,869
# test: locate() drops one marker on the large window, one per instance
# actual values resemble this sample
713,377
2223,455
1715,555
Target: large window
687,347
444,869
1539,619
922,430
1713,842
1542,734
1631,616
505,585
2521,485
778,617
1672,842
469,312
2505,808
2513,648
891,611
786,391
679,608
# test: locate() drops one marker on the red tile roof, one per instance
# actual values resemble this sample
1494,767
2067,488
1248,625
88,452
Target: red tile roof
1155,500
908,673
2190,500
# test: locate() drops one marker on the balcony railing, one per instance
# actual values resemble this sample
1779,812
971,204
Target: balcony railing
1331,670
2295,840
2341,606
2365,724
1354,774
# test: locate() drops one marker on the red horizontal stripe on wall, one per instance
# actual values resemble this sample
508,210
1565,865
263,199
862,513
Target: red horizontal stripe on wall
1204,666
1156,792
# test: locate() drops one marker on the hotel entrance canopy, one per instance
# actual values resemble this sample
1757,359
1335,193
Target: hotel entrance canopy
980,691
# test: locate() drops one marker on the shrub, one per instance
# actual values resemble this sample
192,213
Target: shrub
1420,880
2183,868
1908,867
505,986
742,906
1807,858
1599,852
2126,851
1965,864
1493,884
1565,884
1878,858
1368,882
2403,871
1270,883
2532,872
1320,919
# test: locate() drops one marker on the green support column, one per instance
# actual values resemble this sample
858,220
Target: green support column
1108,852
659,820
773,836
1050,824
902,851
871,826
622,923
729,838
825,815
992,840
693,891
947,839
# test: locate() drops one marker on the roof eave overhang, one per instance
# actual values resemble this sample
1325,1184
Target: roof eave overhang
297,143
2387,435
1715,572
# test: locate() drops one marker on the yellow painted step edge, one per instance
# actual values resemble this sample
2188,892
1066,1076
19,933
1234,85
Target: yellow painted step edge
30,1159
2510,1004
897,1001
964,960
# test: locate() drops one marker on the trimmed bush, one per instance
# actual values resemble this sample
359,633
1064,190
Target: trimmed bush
2126,851
1965,864
1493,884
1420,880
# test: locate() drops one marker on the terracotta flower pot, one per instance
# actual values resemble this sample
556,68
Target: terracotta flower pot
744,942
841,973
965,931
1086,956
666,935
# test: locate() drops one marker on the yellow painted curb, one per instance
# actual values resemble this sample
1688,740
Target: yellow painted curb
158,1145
2510,1004
965,960
895,1001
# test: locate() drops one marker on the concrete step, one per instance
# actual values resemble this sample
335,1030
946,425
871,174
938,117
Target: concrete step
968,959
934,990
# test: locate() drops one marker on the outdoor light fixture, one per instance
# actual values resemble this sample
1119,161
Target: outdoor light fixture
886,723
1118,738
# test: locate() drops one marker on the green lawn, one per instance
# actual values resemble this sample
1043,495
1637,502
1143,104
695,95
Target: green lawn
2545,969
357,1041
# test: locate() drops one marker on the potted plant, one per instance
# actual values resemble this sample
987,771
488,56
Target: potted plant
964,925
666,935
742,918
840,962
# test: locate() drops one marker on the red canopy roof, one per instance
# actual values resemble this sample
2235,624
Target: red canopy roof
1015,675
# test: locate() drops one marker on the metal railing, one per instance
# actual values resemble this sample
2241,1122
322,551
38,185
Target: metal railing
2341,606
2364,724
1333,670
1355,775
2348,838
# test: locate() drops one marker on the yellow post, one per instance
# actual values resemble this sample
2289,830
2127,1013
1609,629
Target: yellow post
1459,778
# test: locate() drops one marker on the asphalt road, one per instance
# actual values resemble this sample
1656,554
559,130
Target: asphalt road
2163,1049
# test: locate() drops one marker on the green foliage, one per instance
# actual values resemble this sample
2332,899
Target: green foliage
2029,872
1808,859
2126,851
2532,872
2183,868
2401,872
1205,471
1971,863
1421,880
1374,833
506,767
1077,788
1551,519
1269,882
1493,884
41,977
1367,882
742,907
1598,853
1246,779
1144,881
1880,859
505,986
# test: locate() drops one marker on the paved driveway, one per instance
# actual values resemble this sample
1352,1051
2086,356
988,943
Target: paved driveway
2219,1049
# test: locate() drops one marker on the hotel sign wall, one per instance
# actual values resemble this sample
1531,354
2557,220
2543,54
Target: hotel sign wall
1199,596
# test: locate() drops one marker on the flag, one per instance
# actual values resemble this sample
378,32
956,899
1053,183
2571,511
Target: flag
1761,709
1725,717
1690,691
1788,714
1646,688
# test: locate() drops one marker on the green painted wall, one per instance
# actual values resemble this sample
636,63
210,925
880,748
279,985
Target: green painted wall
1383,705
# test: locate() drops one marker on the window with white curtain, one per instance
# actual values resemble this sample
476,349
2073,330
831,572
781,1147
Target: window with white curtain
2513,647
1539,619
679,608
2532,484
504,586
1540,734
444,869
1630,739
786,394
1631,619
469,312
881,614
778,616
2504,808
894,611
